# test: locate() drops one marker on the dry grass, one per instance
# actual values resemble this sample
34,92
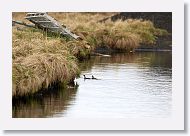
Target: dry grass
40,71
40,61
122,35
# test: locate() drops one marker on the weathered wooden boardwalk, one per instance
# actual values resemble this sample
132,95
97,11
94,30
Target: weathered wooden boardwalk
44,21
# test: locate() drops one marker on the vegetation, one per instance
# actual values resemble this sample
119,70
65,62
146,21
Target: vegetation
39,60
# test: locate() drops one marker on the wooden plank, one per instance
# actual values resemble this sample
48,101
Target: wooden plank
44,21
22,23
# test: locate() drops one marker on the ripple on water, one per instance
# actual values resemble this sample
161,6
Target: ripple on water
130,86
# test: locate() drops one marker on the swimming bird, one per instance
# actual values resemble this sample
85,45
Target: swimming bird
86,77
93,77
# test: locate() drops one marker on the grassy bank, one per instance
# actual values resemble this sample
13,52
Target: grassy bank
41,60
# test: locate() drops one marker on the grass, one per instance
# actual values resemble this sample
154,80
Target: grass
121,35
40,60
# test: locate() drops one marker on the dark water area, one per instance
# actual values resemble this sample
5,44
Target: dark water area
131,85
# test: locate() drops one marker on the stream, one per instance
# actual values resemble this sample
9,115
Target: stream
130,85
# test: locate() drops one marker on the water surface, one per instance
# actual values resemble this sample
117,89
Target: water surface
130,86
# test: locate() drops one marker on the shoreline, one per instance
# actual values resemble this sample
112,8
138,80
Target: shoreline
70,83
153,50
41,59
81,58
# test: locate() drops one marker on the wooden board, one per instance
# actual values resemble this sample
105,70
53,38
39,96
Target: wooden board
44,21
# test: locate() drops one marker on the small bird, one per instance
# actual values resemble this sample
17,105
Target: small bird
86,77
93,77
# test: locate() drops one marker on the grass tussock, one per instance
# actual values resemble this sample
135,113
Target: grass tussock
122,35
41,70
40,62
130,33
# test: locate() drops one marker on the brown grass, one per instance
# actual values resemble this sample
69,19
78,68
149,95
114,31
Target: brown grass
40,61
122,35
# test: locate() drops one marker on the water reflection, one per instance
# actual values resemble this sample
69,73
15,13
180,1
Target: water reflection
151,59
131,86
49,104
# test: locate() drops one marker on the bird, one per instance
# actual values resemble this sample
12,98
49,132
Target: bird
86,77
93,77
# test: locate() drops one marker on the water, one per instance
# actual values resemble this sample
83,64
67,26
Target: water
130,86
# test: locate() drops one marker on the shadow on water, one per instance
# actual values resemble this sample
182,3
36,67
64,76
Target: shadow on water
48,104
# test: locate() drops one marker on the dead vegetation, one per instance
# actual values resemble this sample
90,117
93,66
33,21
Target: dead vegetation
40,60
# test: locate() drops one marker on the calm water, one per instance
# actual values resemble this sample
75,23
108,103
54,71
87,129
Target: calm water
130,86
